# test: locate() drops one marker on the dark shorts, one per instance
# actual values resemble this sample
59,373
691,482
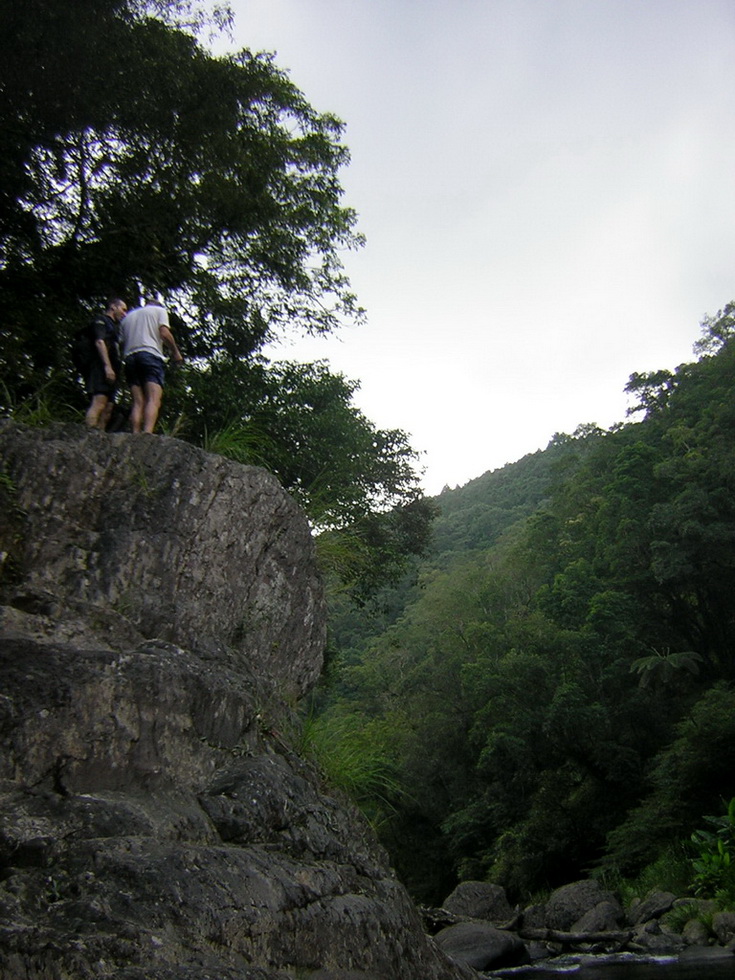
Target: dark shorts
97,383
142,368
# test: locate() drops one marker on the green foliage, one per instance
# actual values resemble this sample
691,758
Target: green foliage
688,777
300,421
717,331
354,756
476,515
678,917
241,442
46,405
670,871
358,484
664,667
714,865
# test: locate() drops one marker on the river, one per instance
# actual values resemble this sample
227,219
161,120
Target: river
715,964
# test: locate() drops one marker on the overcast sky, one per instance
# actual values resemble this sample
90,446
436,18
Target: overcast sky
546,188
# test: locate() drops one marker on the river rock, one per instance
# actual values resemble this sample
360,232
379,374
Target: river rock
480,945
695,933
723,926
649,938
533,917
479,900
698,956
653,906
343,975
568,904
604,917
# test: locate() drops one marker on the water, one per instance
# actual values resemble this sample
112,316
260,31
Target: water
718,965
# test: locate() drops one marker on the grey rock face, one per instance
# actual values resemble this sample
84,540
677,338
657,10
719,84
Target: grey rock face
155,823
648,937
188,547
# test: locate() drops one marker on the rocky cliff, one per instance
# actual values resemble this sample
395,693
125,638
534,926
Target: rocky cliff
161,608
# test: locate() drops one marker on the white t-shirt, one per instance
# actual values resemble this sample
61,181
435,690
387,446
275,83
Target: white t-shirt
140,330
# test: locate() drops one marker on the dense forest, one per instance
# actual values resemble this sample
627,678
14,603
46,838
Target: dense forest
550,693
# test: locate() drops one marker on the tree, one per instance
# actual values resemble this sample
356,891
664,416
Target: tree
358,484
128,155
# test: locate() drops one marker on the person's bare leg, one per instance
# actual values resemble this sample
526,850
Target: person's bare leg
95,417
136,411
107,415
153,397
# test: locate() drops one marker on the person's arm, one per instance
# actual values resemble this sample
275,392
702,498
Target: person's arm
168,339
101,347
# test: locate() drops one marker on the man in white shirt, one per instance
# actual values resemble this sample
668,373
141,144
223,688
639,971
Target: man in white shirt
145,332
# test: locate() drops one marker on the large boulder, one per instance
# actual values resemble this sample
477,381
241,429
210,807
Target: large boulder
653,906
481,945
479,900
187,547
723,926
696,933
606,916
568,904
155,821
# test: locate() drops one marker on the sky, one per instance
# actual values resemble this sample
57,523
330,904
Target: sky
546,191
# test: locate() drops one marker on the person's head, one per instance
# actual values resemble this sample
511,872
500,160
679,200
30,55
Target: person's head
116,309
151,298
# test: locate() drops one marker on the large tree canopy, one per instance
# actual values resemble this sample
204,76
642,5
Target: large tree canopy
129,155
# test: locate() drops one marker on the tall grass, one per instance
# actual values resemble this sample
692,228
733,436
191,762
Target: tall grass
46,405
352,760
242,442
342,557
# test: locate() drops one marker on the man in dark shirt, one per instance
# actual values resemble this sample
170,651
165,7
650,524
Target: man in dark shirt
104,371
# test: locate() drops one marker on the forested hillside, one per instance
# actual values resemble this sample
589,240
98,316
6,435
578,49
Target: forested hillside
553,694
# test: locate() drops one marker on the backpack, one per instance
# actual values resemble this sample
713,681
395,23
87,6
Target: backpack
82,349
